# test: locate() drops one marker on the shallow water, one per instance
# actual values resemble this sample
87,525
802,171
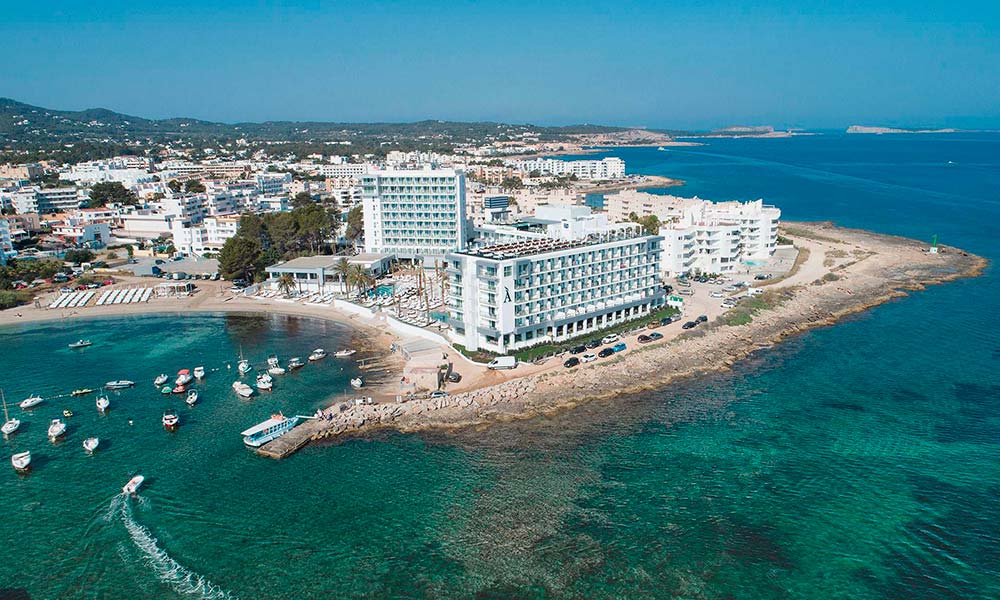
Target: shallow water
856,461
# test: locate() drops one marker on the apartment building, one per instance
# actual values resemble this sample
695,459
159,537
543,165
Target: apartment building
416,214
207,236
606,168
511,296
354,170
78,232
272,184
6,242
45,200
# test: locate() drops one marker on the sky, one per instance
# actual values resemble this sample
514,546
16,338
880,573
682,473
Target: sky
667,64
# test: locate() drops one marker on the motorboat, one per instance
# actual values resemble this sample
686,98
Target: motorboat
199,372
165,390
179,389
274,367
67,413
264,382
133,485
160,379
264,432
344,353
244,367
317,354
31,402
81,392
295,363
9,425
56,429
192,398
171,421
356,383
80,344
183,377
103,403
276,371
121,384
90,444
242,389
21,461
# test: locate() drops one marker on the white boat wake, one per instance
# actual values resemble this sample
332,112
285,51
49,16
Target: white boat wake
168,570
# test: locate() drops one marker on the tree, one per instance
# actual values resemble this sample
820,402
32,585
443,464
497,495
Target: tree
283,228
286,283
78,256
512,183
343,268
193,186
650,223
302,199
253,227
175,186
111,191
238,258
314,225
355,223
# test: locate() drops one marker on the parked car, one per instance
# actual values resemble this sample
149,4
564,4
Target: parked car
439,394
667,320
686,292
717,294
571,362
702,319
454,377
610,339
690,325
215,276
654,324
593,344
605,352
644,339
619,347
240,283
762,276
683,283
578,349
588,357
655,336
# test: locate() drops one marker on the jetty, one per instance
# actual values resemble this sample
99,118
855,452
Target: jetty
292,441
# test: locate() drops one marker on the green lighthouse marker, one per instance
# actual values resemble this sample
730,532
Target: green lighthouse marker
934,246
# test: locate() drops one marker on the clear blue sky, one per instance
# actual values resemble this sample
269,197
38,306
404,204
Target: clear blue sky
678,64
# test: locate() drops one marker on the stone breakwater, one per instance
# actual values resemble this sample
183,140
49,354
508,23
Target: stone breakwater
869,269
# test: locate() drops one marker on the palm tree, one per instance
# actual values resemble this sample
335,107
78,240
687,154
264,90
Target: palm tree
343,268
357,277
286,283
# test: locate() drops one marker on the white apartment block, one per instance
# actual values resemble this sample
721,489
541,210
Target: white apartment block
127,170
6,242
208,236
511,296
606,168
78,232
45,200
415,214
354,170
272,184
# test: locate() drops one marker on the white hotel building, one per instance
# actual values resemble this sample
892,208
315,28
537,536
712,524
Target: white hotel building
414,214
542,289
6,242
606,168
207,236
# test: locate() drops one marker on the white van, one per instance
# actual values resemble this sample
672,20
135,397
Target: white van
503,362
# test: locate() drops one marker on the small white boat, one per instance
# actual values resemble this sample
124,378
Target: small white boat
121,384
276,370
31,402
295,363
244,367
103,403
56,429
242,389
199,372
192,398
80,344
9,425
160,379
21,461
317,354
90,444
356,383
264,382
133,484
183,377
171,421
344,353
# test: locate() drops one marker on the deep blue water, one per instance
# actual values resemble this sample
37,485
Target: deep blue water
860,460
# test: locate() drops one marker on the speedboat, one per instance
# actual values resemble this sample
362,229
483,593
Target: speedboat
121,384
90,444
344,353
80,344
166,390
67,413
103,403
295,363
244,367
160,379
356,383
183,377
264,382
199,372
31,402
81,392
56,429
274,367
180,389
276,371
133,484
9,425
192,398
21,461
242,389
170,421
317,354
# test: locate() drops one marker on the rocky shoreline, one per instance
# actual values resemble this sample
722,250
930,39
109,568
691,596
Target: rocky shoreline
862,270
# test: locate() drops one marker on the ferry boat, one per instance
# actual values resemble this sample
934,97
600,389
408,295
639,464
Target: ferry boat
56,429
160,379
103,403
81,392
356,383
199,372
192,398
242,389
90,444
21,462
295,363
121,384
170,421
80,344
344,353
264,382
183,377
317,354
31,402
133,485
273,428
9,425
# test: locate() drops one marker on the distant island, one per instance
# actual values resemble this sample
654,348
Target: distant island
751,131
882,130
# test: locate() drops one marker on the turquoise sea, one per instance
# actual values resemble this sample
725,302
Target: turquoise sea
856,461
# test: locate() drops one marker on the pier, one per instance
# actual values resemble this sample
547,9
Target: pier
292,441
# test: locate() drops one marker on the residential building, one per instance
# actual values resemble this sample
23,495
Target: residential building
611,167
207,236
35,199
319,273
6,242
77,232
355,170
415,214
272,184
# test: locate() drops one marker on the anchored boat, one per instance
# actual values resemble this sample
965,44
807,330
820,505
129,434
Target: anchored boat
21,461
344,353
264,382
31,402
160,379
9,425
56,429
273,428
317,354
183,377
192,398
242,389
171,421
80,344
103,403
356,383
121,384
199,372
90,444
